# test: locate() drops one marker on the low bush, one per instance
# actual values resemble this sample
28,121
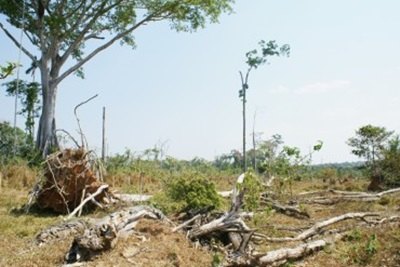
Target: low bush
184,193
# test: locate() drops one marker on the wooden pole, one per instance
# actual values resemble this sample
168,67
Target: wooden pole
103,144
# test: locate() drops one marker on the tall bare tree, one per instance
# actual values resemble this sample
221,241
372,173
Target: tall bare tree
254,59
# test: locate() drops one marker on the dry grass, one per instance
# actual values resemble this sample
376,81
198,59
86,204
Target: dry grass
17,232
18,176
161,247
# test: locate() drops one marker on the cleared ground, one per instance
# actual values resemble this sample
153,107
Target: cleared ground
156,245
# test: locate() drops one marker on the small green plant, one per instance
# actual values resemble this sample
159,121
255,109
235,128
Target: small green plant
384,200
261,218
217,260
288,264
372,245
363,248
253,187
354,235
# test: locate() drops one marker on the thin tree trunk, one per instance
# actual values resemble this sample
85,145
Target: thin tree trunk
254,143
244,130
103,137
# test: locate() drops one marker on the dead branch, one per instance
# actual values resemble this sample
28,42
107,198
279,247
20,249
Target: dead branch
186,223
69,135
287,210
91,197
78,121
270,181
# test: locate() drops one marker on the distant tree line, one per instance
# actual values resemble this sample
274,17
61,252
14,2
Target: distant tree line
378,147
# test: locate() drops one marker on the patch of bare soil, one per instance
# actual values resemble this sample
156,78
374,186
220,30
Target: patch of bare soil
154,245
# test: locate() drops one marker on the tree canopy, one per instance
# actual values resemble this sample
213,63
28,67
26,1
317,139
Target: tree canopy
7,70
62,30
369,142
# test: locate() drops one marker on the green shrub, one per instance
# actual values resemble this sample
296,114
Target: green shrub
15,146
191,192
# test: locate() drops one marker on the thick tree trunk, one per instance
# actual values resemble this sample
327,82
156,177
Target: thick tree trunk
46,137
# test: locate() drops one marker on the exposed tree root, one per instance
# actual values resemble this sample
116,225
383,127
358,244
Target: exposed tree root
69,178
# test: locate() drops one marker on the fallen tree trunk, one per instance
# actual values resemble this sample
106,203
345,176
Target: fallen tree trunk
96,236
339,196
104,234
318,227
60,232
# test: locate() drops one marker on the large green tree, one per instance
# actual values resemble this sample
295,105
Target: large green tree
390,164
9,145
369,143
61,29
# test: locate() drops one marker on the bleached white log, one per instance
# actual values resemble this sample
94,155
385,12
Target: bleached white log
280,256
316,228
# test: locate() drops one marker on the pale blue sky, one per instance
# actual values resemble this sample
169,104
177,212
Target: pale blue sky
344,72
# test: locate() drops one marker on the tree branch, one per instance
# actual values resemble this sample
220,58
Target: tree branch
82,34
93,36
101,48
29,37
23,49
